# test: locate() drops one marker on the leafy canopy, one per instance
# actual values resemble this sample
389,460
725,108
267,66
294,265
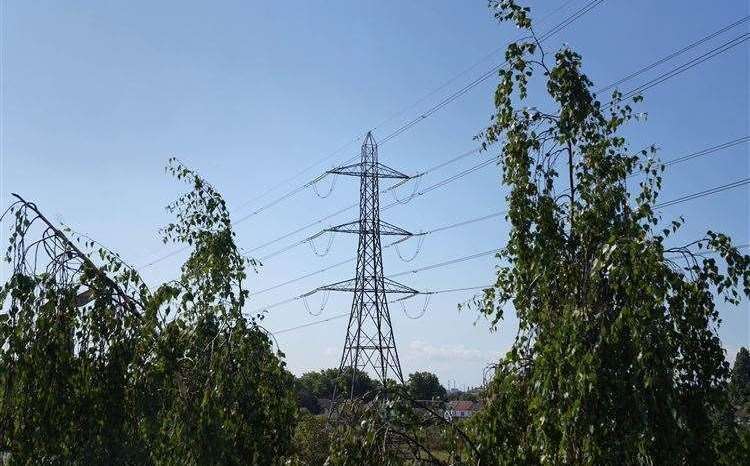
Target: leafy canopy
739,387
617,359
425,386
98,369
330,383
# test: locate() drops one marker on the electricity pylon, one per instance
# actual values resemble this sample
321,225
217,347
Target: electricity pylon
370,342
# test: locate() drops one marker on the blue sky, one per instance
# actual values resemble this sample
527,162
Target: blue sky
98,95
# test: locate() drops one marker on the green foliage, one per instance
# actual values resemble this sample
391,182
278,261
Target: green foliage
367,435
739,386
425,386
67,341
225,398
96,369
312,441
326,383
229,399
398,430
617,360
362,445
306,400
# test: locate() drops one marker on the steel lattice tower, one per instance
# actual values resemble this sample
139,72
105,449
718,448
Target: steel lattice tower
370,342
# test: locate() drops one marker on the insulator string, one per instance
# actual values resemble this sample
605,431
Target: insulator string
420,241
422,312
315,250
307,307
415,188
330,189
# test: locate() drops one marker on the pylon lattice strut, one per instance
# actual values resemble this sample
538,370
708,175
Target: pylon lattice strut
370,341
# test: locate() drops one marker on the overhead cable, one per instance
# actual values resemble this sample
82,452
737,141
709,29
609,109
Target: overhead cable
398,113
636,91
676,160
639,89
679,200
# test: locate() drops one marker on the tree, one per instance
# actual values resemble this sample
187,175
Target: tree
364,436
312,440
98,369
425,386
395,429
68,339
306,400
326,383
739,386
617,360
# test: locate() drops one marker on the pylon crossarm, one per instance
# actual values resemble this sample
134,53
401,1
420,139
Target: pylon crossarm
392,286
349,227
384,228
354,169
389,287
385,171
391,229
361,169
346,285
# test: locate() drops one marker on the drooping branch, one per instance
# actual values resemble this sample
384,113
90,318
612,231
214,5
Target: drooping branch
61,251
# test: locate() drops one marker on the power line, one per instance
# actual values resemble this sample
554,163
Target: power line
446,263
674,54
436,167
423,116
347,208
679,200
302,277
489,73
676,71
452,97
495,251
706,151
451,290
298,174
414,271
279,199
355,204
674,161
164,257
298,230
392,244
346,314
658,80
589,6
707,192
466,70
339,316
467,222
310,324
688,65
448,180
396,114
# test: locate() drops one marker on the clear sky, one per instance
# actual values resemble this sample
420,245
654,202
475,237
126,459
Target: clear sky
97,95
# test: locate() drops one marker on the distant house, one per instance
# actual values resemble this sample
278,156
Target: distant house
460,409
